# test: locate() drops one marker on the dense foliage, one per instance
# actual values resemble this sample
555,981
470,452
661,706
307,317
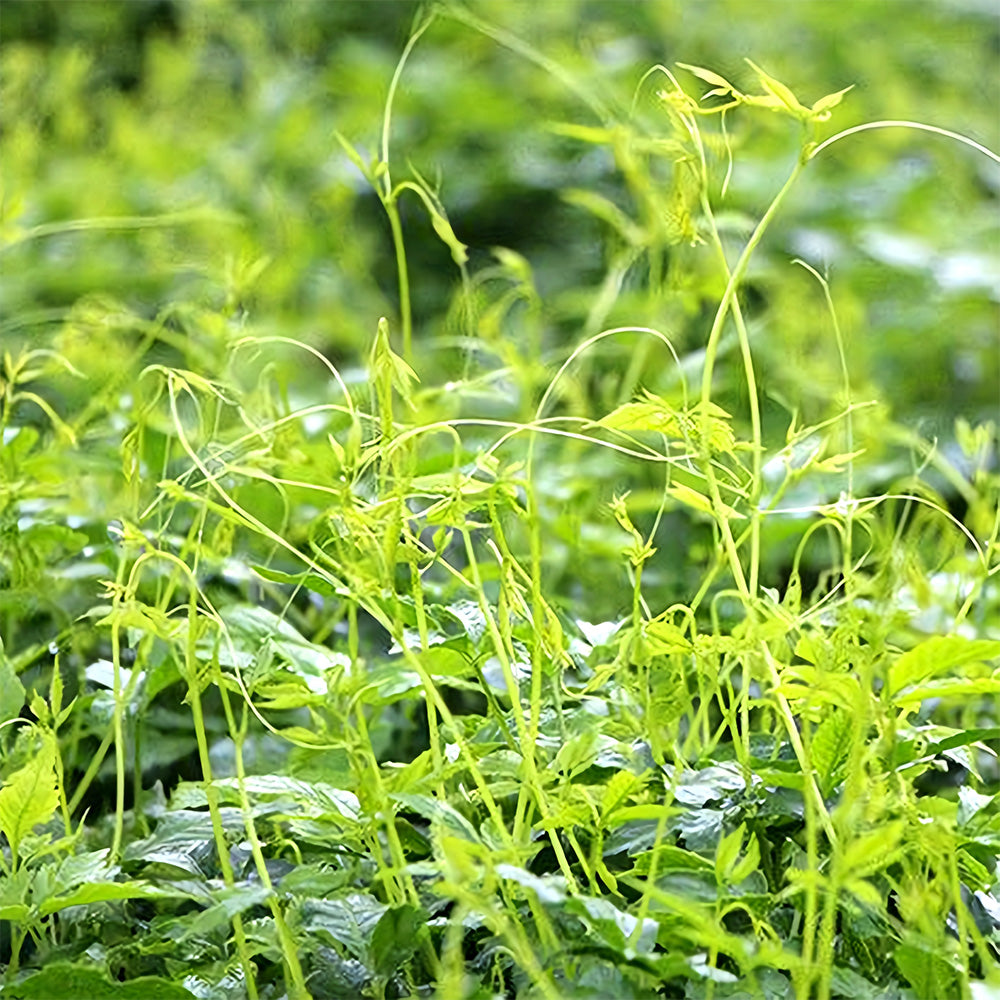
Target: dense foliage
487,510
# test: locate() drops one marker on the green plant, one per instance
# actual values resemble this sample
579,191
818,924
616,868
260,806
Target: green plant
415,756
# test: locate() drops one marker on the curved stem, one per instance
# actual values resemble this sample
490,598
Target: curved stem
894,123
711,350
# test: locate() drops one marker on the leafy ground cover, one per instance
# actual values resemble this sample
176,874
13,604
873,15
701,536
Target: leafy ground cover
571,617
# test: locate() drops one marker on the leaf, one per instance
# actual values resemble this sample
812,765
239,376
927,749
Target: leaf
102,892
709,77
749,864
354,156
548,888
928,972
607,211
646,415
311,581
612,927
871,851
821,109
830,748
384,362
30,796
947,688
664,638
348,920
395,939
11,690
727,851
143,617
937,655
227,903
438,812
66,981
779,91
577,753
458,249
700,502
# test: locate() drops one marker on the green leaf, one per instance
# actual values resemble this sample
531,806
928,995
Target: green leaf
459,250
871,851
30,796
227,903
608,212
937,655
145,618
354,156
723,85
348,920
700,502
831,745
101,892
928,972
748,864
310,581
645,415
948,688
577,753
727,851
821,109
782,94
438,812
395,939
11,690
65,981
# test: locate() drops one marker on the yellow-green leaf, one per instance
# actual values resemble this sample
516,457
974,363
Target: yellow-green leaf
821,109
700,502
782,94
938,655
709,77
30,795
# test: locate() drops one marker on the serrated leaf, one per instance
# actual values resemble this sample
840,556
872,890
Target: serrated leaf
947,688
30,795
643,415
830,748
937,655
348,920
864,855
101,892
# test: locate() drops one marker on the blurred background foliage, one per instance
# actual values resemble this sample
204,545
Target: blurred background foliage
197,139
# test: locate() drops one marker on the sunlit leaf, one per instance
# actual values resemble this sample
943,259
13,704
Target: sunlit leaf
30,796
